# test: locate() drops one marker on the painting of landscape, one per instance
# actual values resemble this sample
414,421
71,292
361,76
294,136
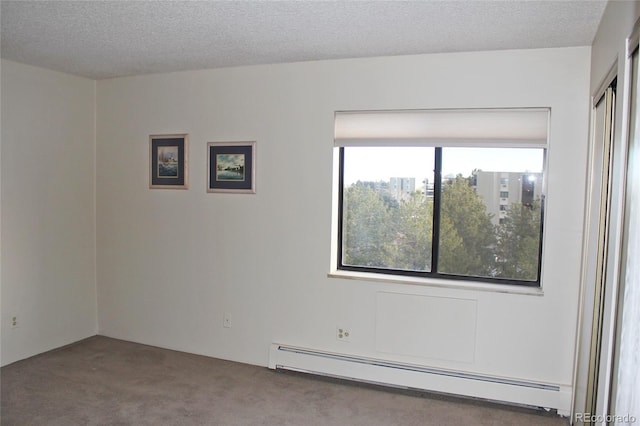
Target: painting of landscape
230,167
168,161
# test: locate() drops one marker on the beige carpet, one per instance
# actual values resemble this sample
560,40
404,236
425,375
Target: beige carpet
103,381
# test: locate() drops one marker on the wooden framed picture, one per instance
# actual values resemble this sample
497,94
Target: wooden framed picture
168,161
231,167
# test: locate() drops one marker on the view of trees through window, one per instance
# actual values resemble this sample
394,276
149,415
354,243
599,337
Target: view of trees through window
487,211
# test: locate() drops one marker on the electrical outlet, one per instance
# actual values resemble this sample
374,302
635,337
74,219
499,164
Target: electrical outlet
343,334
14,321
226,320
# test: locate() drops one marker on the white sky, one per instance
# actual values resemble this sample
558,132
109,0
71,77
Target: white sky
375,163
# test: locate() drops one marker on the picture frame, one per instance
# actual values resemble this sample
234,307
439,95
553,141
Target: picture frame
231,167
169,161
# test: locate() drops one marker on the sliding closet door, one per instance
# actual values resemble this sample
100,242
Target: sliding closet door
591,389
626,394
597,385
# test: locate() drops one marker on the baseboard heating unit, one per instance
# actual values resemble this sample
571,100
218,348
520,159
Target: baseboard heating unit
411,376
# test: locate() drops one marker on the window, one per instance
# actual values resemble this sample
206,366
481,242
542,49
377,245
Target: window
434,209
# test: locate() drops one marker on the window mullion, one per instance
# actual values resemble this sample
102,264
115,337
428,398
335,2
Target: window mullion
437,192
340,208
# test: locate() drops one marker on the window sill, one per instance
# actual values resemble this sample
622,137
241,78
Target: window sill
432,282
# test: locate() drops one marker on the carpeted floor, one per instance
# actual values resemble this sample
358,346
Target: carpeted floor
103,381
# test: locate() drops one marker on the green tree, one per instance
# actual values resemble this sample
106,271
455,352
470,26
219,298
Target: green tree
414,222
519,242
414,228
464,211
368,228
453,254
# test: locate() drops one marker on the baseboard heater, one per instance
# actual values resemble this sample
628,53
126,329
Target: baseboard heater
417,377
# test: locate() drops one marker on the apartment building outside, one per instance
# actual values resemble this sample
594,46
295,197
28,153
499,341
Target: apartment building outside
501,189
401,188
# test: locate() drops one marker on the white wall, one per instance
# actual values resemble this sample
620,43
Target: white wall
48,210
170,263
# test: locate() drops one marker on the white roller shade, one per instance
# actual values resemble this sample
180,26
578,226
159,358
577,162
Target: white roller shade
525,128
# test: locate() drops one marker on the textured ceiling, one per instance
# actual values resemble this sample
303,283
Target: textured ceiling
102,39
